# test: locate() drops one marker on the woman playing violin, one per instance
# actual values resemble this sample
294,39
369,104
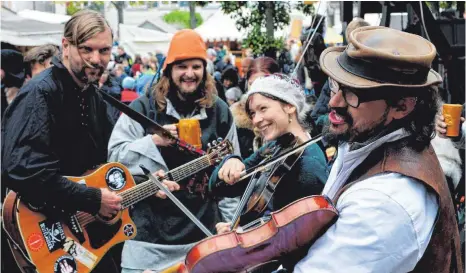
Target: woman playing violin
276,105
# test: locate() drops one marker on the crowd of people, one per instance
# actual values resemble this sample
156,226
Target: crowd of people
375,103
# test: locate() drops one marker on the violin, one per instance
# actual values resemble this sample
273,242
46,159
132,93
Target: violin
294,226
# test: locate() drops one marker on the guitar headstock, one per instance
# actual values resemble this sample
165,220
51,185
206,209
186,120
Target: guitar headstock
218,150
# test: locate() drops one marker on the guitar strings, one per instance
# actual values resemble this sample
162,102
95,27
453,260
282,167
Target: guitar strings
145,189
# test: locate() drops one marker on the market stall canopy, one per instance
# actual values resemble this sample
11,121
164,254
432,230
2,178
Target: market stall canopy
159,25
220,26
46,17
20,31
137,40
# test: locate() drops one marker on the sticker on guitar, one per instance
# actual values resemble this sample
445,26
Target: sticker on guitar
80,253
35,242
65,264
53,233
115,178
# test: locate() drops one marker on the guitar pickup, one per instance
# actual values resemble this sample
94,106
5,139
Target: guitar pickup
73,223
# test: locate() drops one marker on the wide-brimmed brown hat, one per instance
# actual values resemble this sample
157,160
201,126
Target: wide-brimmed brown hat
380,56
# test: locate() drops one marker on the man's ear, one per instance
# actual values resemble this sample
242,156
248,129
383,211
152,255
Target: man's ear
65,44
403,107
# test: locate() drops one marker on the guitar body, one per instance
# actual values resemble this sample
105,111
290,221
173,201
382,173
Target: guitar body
58,245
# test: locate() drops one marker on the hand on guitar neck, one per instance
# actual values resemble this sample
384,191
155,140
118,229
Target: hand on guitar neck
110,203
170,185
164,141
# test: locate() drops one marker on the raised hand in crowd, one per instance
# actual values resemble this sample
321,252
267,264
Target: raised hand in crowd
441,125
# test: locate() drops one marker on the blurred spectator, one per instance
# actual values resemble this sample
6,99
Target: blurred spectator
245,63
14,74
38,59
221,52
211,56
110,85
285,61
228,63
233,95
153,64
230,78
137,66
159,56
244,128
261,66
127,68
129,90
119,73
122,55
144,79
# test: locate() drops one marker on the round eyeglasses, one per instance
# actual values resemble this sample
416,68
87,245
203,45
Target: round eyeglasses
354,97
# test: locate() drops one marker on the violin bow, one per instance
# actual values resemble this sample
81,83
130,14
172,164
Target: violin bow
176,201
262,166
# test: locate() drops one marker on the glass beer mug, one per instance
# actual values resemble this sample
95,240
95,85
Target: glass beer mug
189,130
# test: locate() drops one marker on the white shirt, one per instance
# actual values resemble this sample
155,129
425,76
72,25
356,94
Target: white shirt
385,222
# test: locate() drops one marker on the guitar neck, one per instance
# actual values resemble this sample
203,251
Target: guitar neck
148,188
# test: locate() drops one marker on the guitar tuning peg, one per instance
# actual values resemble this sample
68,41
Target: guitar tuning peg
209,146
214,142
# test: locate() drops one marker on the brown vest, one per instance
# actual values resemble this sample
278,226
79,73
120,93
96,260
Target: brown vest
443,254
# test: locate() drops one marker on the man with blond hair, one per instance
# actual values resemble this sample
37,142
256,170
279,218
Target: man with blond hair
58,125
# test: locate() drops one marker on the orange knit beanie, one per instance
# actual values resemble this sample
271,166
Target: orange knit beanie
186,44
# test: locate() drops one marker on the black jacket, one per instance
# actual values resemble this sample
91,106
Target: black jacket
52,128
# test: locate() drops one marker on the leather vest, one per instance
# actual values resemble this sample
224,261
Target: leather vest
443,254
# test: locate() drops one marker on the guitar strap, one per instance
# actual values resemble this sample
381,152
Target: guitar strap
25,265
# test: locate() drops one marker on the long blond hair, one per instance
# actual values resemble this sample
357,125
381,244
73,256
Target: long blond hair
160,91
84,25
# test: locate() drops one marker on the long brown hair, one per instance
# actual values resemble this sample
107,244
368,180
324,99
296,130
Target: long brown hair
160,91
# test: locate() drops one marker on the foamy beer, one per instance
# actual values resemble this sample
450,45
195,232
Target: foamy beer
452,115
189,130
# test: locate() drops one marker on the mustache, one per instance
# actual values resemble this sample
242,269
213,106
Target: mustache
189,79
343,112
94,66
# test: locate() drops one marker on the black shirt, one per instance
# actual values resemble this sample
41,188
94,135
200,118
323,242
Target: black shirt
55,128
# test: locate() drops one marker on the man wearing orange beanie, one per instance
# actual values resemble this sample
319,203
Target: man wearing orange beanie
185,90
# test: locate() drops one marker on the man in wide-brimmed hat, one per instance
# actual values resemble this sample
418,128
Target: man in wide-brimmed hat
395,211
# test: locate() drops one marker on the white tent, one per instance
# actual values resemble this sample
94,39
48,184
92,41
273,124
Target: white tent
46,17
220,26
20,31
138,40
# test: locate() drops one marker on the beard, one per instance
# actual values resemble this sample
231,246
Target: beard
86,78
188,96
352,134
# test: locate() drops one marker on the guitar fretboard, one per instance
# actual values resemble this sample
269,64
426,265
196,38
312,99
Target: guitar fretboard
148,188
